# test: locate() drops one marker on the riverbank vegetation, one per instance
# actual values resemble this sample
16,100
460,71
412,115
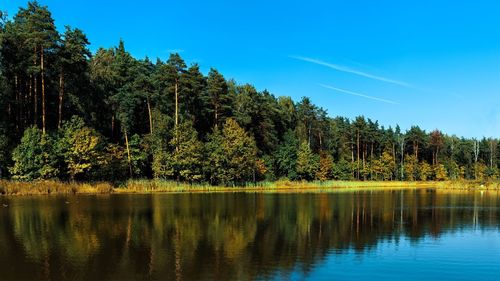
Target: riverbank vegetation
73,115
54,187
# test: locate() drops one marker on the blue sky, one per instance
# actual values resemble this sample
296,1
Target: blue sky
431,63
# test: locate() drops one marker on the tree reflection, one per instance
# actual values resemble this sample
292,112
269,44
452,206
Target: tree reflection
223,236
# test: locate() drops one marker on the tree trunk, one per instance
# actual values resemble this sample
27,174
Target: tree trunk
21,105
112,126
35,100
216,114
16,90
43,91
491,153
176,117
320,141
35,96
128,152
416,150
402,145
61,95
150,117
364,158
176,104
309,136
357,155
28,114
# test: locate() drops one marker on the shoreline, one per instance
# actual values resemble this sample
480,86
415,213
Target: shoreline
50,187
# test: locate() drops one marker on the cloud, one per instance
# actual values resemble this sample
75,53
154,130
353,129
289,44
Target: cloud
173,51
357,94
352,71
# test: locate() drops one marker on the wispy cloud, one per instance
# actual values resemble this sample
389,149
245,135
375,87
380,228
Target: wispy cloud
352,71
357,94
173,51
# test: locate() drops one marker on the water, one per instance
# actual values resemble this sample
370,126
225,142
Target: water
366,235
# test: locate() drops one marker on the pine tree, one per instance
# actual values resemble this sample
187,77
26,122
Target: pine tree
73,56
325,169
215,158
42,38
241,153
286,156
217,97
307,162
185,161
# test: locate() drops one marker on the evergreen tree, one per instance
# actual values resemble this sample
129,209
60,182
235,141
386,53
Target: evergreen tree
42,38
215,158
240,151
185,161
307,162
73,56
286,156
217,97
325,169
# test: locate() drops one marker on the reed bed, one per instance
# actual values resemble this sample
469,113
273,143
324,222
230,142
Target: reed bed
48,187
155,186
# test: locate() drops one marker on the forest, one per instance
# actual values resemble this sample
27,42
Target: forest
76,115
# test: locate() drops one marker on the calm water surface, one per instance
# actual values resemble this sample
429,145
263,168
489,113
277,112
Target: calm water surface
365,235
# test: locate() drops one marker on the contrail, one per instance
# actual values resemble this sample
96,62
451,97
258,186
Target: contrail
357,94
174,51
352,71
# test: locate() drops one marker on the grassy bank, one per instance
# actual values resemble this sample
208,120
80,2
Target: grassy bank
52,187
154,186
160,186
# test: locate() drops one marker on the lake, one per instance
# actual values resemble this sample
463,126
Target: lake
422,234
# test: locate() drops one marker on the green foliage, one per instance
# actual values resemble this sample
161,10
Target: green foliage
480,171
217,97
384,166
80,147
139,155
455,171
411,167
440,172
215,157
185,160
34,157
425,171
4,153
159,146
231,155
286,156
325,170
343,170
240,151
111,164
307,162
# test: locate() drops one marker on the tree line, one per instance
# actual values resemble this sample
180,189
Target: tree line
76,115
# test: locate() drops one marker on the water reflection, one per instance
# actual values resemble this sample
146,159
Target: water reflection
239,236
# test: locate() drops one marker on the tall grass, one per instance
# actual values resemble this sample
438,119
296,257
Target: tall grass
158,186
52,187
469,185
152,186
